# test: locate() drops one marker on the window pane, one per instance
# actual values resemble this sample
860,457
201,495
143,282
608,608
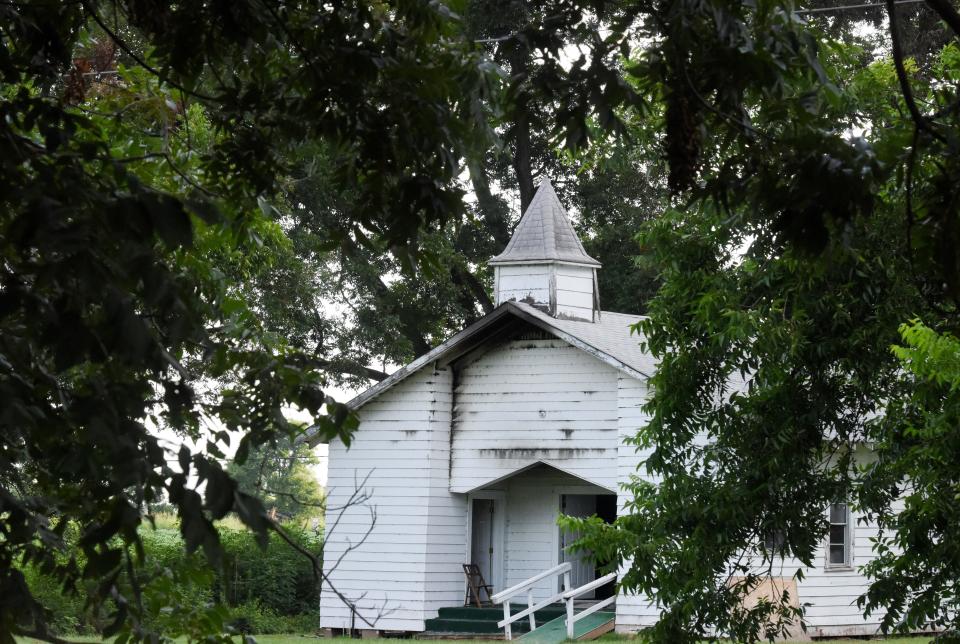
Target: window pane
838,513
838,534
837,555
774,540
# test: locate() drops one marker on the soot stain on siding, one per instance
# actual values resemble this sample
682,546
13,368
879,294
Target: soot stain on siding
543,452
454,418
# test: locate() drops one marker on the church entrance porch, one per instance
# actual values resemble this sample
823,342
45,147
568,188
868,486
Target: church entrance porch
513,533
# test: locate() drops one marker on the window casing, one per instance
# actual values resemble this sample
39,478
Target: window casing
839,537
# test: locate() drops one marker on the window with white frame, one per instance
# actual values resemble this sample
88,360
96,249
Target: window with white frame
839,545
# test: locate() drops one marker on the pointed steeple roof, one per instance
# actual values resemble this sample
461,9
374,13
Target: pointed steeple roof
544,234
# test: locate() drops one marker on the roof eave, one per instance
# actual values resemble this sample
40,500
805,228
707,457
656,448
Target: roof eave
592,263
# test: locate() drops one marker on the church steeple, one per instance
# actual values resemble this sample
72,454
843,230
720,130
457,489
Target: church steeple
545,265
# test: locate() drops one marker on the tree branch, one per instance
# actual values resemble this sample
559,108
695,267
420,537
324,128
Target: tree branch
351,368
517,55
471,292
947,13
140,61
918,118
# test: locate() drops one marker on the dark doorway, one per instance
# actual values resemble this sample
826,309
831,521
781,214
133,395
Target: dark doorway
585,569
606,510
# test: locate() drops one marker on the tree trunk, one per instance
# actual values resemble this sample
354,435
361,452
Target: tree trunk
521,125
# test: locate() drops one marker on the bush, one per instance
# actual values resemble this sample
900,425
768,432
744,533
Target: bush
66,611
265,591
256,619
279,579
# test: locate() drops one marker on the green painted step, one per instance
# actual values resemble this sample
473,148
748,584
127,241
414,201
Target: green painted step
555,630
496,612
461,626
470,619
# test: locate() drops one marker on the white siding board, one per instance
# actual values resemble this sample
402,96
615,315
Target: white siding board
574,283
418,539
633,611
537,295
575,299
524,282
533,400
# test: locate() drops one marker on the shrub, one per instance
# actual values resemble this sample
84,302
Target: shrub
279,579
66,611
255,619
265,591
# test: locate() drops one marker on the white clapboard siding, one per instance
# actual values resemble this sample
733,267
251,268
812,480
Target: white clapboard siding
575,291
410,563
833,593
633,611
565,289
523,283
565,415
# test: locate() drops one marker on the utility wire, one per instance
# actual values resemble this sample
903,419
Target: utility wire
880,5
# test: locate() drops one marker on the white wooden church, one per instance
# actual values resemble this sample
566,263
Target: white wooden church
469,454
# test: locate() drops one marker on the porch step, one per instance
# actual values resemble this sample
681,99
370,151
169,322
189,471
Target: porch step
483,621
588,628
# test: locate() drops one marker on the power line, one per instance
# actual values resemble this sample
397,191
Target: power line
856,6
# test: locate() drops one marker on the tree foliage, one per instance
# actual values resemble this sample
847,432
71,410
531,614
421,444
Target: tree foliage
283,477
814,217
154,227
913,487
122,242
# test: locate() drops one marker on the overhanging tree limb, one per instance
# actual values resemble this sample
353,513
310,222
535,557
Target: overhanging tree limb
352,368
947,12
919,119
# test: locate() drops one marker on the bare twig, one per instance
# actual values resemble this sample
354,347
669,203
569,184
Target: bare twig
358,497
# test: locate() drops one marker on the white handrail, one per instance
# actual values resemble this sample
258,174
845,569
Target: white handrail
505,595
571,594
523,585
596,583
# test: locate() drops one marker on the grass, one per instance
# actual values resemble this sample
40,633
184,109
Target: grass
273,638
301,639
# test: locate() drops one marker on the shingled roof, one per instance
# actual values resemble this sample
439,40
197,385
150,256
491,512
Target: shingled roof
544,234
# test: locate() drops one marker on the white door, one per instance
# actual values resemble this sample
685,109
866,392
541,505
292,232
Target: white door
577,505
482,542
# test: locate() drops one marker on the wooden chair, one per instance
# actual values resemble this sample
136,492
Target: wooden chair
476,584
